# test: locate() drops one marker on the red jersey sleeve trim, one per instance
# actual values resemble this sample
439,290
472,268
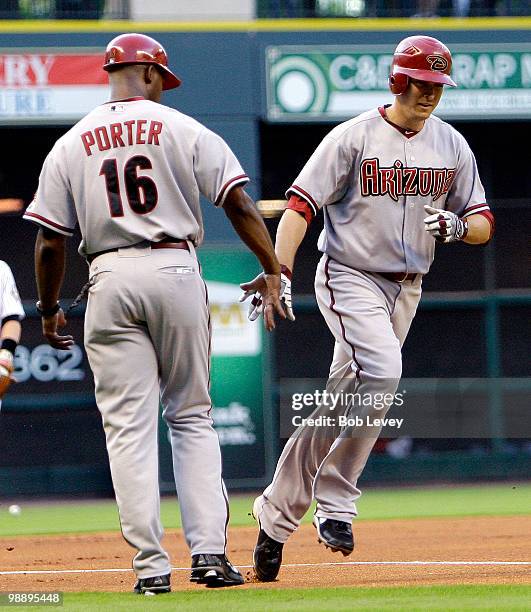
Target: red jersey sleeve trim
301,206
237,180
30,216
490,218
304,195
474,210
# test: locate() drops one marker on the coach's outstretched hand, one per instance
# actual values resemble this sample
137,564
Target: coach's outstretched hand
265,289
256,304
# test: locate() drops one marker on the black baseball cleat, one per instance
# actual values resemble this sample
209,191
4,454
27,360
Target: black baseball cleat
336,535
153,586
214,571
267,557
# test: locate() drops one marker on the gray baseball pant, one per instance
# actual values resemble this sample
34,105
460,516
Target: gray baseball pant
369,317
147,337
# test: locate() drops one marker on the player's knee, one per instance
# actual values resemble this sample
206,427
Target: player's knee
184,419
388,367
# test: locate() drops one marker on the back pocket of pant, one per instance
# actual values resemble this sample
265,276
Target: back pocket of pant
181,270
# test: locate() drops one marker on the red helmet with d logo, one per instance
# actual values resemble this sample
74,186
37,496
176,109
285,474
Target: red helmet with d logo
423,58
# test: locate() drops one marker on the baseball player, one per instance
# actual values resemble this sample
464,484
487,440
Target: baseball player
130,173
391,182
11,314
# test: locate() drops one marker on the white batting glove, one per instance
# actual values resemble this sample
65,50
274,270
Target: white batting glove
444,226
285,292
256,306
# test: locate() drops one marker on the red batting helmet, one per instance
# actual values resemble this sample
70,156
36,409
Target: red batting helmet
423,58
130,49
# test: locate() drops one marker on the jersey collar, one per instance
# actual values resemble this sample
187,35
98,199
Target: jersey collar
133,99
404,131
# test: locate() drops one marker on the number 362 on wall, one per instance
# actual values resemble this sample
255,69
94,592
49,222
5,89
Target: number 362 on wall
44,363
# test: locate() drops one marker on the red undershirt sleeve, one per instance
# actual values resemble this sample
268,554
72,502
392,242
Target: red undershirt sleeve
299,205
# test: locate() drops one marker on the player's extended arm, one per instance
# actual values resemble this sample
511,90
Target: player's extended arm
290,233
50,254
249,225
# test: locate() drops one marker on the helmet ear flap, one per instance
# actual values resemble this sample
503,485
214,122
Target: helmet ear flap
398,83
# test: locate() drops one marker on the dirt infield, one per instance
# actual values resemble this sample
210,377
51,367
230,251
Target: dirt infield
472,539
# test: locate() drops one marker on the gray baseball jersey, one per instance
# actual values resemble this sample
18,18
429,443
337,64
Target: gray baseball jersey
131,174
373,181
131,171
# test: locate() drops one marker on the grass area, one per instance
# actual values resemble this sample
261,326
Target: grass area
407,599
500,499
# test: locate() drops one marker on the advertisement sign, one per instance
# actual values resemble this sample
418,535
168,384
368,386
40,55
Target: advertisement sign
37,86
334,83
